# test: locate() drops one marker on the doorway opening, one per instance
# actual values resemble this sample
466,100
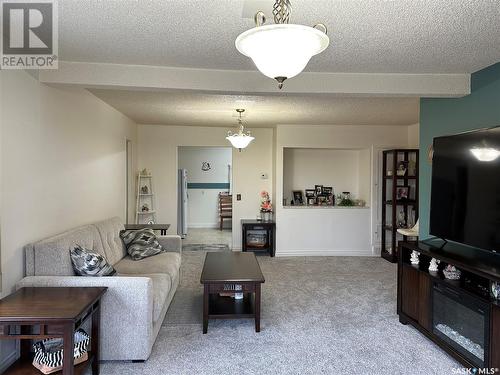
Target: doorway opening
205,198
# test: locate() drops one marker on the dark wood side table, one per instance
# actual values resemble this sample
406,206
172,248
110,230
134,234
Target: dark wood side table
161,227
56,312
222,273
251,228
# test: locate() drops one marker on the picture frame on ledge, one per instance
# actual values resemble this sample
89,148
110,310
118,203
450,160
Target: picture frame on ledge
298,198
310,193
318,189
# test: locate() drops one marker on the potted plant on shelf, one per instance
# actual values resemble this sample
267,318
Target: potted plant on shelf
266,207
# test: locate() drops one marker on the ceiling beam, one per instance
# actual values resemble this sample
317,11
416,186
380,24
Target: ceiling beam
144,77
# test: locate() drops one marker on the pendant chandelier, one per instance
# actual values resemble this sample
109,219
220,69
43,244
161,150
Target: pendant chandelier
241,139
282,50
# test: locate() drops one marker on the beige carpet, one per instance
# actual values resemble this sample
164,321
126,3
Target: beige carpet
320,315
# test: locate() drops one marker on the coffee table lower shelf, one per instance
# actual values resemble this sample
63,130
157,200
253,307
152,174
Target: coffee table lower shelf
231,308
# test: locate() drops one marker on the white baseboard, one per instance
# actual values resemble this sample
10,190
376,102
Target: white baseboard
203,225
315,253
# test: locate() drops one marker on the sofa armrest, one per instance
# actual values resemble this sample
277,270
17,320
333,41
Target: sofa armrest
171,242
126,311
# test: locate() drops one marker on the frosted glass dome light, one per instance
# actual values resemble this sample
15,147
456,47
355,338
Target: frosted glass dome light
241,139
282,50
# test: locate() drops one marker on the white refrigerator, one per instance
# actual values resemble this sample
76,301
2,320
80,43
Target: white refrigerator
182,203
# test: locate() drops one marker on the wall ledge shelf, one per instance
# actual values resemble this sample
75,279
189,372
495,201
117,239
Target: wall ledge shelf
327,207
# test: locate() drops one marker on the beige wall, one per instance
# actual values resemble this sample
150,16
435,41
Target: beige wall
414,135
63,164
305,167
334,231
158,152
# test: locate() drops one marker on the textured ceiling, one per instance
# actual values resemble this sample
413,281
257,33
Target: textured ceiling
188,108
398,36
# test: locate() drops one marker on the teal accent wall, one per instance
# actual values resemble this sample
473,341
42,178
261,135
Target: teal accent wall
445,116
208,185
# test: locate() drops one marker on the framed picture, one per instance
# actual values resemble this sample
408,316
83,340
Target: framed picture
311,201
310,193
330,200
402,193
327,190
321,200
319,189
298,197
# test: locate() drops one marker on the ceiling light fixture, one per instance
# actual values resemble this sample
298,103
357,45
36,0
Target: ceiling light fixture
282,51
241,139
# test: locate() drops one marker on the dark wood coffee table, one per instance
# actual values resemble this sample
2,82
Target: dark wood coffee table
56,312
222,273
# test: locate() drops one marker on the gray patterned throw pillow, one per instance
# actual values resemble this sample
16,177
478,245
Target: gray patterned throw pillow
141,243
88,263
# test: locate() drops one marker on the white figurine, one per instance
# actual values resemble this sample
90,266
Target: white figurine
414,257
433,266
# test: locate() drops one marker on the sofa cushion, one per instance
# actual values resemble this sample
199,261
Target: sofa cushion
88,263
50,257
141,243
168,263
161,288
109,230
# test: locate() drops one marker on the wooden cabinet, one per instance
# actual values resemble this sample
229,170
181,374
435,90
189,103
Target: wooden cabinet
409,292
424,295
495,336
424,301
416,295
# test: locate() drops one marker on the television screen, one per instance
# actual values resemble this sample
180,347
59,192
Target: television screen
465,193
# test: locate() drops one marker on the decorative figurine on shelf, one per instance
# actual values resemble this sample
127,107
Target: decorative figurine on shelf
145,189
495,289
414,259
433,266
145,172
145,208
451,272
401,171
412,168
401,219
266,207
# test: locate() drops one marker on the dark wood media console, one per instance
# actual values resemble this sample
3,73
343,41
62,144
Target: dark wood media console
458,315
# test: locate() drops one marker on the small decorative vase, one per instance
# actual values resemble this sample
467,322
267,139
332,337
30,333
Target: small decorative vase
414,259
495,289
433,266
266,216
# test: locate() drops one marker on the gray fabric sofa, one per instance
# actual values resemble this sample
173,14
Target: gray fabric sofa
138,297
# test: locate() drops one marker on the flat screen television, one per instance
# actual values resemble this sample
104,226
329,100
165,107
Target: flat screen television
465,193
